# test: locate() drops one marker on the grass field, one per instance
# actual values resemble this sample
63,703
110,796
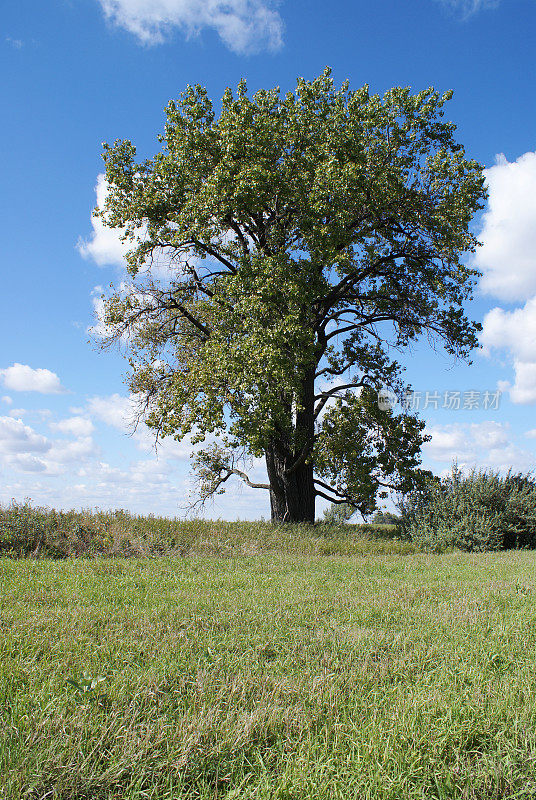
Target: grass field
269,676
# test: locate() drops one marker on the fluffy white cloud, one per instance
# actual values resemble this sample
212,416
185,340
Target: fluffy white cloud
523,390
116,410
515,332
76,426
7,400
508,262
23,449
121,412
245,26
17,438
480,445
68,452
25,462
105,245
507,257
22,378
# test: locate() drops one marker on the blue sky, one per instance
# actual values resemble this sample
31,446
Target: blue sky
80,72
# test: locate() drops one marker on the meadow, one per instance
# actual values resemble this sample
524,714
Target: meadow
361,671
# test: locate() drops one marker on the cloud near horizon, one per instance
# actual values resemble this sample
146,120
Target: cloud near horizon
481,445
244,26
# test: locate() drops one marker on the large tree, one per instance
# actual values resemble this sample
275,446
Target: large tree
281,253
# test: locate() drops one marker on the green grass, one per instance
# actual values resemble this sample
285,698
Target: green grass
27,530
269,676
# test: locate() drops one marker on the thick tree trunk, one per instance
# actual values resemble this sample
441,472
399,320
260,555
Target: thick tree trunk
292,492
292,496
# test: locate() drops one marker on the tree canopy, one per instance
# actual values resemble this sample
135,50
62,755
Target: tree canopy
306,239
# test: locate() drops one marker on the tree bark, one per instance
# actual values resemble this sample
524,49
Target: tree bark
292,495
292,490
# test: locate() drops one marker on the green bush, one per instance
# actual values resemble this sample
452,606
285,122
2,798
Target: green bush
32,531
476,512
385,518
27,531
338,514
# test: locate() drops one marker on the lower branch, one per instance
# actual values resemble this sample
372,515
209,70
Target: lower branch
213,467
335,500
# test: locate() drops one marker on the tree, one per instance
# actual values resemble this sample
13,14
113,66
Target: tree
385,518
307,239
338,514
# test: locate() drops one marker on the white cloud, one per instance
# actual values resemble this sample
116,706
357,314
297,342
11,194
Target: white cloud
38,414
7,400
507,257
523,390
22,378
76,426
25,462
490,435
245,26
448,442
16,438
515,332
115,410
66,452
70,471
484,445
105,245
22,448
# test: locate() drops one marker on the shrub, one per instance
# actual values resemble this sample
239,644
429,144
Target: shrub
477,512
33,531
338,514
27,531
385,518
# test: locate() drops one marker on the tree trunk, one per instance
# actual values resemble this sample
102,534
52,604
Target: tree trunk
292,492
292,496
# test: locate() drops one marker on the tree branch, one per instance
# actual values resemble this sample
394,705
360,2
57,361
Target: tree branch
246,480
306,449
318,493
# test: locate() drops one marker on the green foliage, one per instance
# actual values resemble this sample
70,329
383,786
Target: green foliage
385,518
338,514
27,531
362,450
86,686
304,237
477,512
